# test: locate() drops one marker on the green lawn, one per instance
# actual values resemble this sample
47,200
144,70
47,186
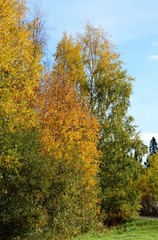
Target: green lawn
141,229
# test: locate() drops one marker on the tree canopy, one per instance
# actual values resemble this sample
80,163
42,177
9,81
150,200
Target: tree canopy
70,155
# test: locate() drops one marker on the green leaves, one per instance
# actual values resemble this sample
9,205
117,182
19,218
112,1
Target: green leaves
110,88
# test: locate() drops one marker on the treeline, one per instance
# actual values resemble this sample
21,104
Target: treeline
70,155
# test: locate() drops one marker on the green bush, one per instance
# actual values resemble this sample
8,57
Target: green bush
23,184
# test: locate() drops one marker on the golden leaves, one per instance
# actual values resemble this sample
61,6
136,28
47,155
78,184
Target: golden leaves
19,70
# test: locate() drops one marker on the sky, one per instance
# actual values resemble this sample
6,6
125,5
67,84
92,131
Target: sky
133,28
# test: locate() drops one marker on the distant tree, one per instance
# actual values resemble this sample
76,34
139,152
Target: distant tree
153,146
152,150
149,186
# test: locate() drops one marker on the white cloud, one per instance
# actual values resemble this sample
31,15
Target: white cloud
153,57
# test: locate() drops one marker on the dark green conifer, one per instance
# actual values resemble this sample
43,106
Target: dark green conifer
153,146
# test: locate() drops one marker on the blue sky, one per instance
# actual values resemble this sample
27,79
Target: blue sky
133,28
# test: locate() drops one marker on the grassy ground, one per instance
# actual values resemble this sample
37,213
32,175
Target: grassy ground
141,229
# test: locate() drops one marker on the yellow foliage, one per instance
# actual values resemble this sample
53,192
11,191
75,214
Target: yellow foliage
68,57
19,69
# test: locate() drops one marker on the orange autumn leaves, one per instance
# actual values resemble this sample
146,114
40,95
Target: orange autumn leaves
68,128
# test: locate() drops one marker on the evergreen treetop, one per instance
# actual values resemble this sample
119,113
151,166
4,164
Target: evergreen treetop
153,146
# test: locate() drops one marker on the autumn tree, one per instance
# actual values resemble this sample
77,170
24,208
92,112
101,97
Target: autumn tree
70,134
110,88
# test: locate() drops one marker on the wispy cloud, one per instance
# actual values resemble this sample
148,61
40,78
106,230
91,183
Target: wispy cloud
153,57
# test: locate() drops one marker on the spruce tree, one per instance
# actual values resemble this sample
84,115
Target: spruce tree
153,146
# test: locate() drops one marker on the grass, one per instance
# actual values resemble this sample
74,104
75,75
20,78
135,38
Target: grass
141,229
